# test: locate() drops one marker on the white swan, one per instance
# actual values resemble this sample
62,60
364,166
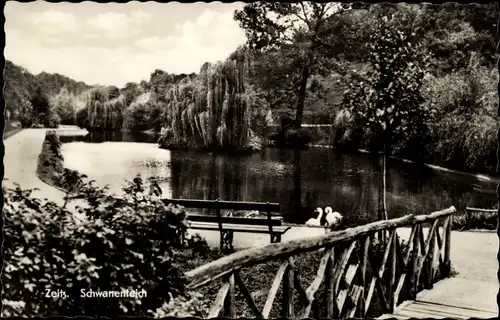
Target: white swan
313,221
252,214
332,218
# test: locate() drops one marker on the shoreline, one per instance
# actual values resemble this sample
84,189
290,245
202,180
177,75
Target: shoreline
10,133
479,176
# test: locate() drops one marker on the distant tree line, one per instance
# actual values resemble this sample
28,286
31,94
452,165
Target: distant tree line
324,63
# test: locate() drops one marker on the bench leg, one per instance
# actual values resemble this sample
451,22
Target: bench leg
227,240
275,237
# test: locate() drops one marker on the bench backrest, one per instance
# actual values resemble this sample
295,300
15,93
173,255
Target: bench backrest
275,221
267,207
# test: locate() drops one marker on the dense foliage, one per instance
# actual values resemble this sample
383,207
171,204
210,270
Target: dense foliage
131,242
104,107
40,91
304,56
444,43
213,111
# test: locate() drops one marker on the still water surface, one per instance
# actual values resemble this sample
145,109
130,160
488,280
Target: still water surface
299,181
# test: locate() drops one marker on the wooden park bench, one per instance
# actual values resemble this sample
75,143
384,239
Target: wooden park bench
227,226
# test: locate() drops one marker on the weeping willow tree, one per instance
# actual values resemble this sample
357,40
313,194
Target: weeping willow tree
144,113
212,111
102,111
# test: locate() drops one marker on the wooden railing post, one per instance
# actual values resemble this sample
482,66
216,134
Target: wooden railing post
346,282
364,263
447,247
288,290
392,269
429,281
330,285
414,260
229,307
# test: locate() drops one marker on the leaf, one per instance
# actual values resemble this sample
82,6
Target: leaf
137,255
128,241
19,251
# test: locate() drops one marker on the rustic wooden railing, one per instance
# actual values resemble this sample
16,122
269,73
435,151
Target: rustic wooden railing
352,271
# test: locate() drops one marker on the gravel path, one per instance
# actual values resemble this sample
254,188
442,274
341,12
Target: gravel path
20,162
473,254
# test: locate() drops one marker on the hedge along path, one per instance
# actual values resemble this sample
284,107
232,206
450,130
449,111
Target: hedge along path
348,269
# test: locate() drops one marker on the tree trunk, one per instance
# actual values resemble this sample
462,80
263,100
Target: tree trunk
301,97
498,152
382,190
297,188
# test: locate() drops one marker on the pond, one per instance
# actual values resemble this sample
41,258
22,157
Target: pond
299,180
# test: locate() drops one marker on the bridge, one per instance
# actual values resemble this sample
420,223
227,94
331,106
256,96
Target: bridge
399,268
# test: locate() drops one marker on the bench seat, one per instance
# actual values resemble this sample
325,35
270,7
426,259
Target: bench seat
237,227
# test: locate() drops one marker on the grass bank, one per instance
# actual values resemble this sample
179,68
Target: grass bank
10,129
475,219
50,164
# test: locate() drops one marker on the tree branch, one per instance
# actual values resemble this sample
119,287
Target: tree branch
305,14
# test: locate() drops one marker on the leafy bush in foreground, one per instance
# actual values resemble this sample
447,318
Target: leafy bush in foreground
120,243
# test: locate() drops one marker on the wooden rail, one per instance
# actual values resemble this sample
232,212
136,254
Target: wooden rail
350,269
217,204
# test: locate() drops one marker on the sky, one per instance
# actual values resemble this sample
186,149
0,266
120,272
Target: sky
112,44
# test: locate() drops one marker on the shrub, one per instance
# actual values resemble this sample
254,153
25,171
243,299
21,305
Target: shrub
50,160
465,135
121,243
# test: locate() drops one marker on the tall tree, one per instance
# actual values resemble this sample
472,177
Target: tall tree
41,106
294,27
388,101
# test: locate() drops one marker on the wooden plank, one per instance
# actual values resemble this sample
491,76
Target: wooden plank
341,265
455,309
349,277
432,257
248,296
379,283
235,205
274,289
300,290
392,271
410,244
356,293
275,221
447,311
237,227
414,259
229,303
311,290
370,294
447,247
219,301
287,309
418,314
381,270
392,316
329,285
248,257
364,261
